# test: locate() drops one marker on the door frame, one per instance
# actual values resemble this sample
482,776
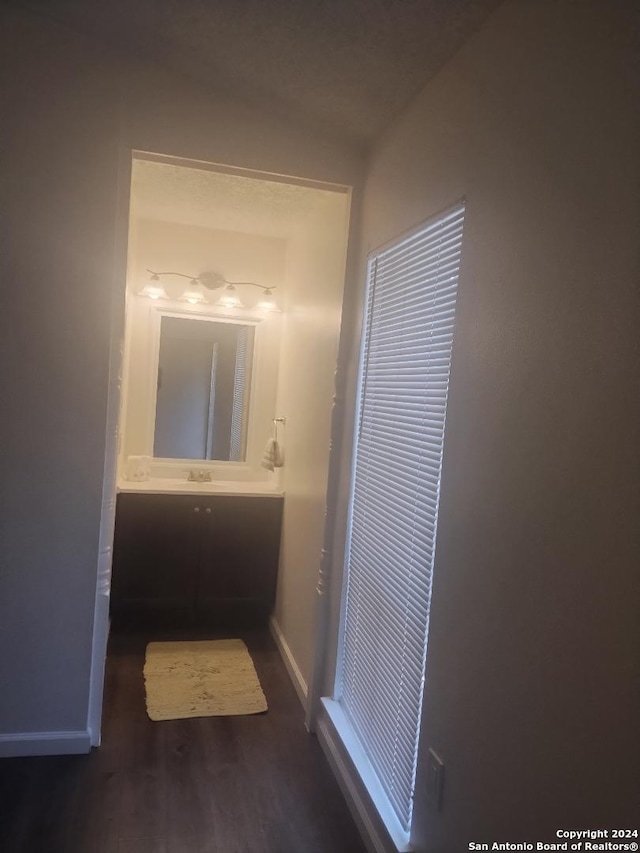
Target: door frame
112,442
341,402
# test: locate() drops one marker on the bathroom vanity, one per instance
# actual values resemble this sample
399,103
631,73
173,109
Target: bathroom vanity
198,519
186,554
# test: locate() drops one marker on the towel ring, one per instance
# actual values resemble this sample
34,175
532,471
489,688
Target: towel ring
275,423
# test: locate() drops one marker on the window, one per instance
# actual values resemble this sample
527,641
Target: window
406,355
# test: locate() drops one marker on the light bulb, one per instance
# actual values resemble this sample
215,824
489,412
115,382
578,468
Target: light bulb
230,298
267,303
193,294
153,289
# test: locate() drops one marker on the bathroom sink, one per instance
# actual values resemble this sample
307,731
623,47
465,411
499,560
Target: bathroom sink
158,486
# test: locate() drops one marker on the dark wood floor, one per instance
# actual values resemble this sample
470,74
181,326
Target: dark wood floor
255,784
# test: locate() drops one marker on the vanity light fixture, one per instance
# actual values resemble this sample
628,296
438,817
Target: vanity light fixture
230,298
153,289
267,303
195,292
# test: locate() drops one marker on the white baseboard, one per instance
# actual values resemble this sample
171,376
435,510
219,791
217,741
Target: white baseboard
375,834
351,795
44,743
289,661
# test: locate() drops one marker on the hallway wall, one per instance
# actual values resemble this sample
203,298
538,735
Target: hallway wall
69,109
532,673
315,281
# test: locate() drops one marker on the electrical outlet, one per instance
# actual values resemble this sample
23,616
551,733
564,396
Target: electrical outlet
435,779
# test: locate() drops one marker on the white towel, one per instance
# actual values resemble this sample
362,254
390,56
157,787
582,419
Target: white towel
272,456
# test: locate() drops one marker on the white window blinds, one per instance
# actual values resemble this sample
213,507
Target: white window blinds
406,356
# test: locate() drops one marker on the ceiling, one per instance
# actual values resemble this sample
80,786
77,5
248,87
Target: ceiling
192,196
347,67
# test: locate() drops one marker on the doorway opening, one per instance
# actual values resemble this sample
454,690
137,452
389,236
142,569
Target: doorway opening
233,302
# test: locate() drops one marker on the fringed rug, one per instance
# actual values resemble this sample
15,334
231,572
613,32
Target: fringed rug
207,678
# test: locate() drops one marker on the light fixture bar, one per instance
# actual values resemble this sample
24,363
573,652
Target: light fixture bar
213,281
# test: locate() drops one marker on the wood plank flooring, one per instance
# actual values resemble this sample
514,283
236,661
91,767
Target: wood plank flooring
255,784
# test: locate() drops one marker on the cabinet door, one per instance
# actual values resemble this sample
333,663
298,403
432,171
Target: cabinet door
155,554
239,555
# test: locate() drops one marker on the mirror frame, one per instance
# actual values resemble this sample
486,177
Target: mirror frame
157,312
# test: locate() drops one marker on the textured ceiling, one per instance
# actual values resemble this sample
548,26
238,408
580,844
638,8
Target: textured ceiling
344,66
208,199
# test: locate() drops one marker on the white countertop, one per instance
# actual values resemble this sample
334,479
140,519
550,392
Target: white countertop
157,486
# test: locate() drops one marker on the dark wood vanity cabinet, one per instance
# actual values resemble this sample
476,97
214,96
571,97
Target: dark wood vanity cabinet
184,559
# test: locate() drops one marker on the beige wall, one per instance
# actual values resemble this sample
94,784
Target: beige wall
533,645
311,327
69,109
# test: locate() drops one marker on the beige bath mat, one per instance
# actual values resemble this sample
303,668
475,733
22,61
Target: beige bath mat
208,678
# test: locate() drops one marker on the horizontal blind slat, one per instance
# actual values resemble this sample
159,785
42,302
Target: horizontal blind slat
448,241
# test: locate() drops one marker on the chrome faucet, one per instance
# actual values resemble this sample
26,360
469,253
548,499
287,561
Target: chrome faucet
199,476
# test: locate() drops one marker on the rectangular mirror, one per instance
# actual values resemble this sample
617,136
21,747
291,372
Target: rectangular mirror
204,379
